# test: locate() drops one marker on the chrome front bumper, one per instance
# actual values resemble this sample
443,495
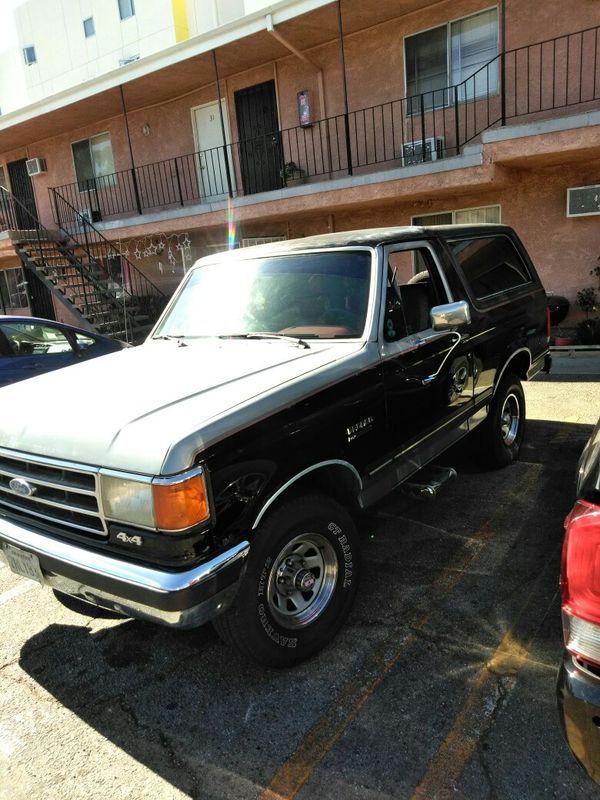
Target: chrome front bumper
179,599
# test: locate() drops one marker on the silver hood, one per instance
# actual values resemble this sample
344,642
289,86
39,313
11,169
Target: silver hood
151,409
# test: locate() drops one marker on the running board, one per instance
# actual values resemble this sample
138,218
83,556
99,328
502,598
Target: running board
426,483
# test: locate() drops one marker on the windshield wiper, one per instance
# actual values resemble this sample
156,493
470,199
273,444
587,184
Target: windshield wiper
267,335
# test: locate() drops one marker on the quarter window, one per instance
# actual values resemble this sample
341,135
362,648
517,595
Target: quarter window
452,55
491,265
94,164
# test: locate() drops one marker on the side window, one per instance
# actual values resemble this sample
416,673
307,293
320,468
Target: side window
413,289
84,342
490,265
35,339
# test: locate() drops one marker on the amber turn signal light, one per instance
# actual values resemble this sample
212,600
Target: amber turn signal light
180,505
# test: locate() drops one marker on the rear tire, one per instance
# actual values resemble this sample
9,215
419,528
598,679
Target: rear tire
299,585
501,435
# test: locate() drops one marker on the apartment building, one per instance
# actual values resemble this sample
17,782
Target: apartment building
257,122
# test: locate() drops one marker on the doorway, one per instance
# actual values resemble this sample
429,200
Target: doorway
40,297
260,144
210,159
22,189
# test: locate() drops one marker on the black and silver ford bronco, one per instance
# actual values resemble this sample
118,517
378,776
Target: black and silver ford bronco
213,472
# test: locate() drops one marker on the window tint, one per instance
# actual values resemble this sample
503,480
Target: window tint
35,339
490,264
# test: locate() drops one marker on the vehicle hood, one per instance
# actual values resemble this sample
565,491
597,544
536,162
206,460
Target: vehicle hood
151,409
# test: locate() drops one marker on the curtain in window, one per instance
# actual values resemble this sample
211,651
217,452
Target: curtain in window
94,165
474,215
444,218
473,43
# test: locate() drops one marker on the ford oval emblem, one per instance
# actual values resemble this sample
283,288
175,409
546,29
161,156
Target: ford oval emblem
19,486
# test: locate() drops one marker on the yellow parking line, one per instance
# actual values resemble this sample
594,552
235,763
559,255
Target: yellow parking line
451,757
293,773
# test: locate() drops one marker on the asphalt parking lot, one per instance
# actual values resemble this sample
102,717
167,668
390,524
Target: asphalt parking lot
441,684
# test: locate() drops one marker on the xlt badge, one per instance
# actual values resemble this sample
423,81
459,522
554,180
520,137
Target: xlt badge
359,428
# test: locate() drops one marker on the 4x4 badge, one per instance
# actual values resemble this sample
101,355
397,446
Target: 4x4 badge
19,486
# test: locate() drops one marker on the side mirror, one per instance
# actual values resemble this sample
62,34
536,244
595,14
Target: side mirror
450,315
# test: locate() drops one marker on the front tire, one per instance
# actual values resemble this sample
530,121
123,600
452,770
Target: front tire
299,585
501,435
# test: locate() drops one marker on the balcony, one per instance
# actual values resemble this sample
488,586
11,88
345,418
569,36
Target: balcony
531,83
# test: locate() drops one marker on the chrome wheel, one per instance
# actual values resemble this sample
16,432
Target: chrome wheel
510,419
302,580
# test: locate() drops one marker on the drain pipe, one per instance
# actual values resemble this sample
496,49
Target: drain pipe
299,54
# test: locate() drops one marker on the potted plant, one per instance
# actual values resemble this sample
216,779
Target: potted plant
292,174
588,330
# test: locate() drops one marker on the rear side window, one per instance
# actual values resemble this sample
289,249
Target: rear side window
490,265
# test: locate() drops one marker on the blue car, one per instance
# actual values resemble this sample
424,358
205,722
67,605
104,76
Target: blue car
30,346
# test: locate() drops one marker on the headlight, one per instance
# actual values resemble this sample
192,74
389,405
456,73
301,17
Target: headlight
170,504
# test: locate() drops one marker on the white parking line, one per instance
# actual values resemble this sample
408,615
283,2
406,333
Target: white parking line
22,588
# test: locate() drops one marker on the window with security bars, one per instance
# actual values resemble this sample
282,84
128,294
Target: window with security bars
13,290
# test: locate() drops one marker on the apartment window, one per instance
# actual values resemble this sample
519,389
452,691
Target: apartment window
464,216
94,164
126,9
452,55
89,28
29,55
13,290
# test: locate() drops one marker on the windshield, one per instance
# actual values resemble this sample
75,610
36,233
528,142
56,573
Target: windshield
316,295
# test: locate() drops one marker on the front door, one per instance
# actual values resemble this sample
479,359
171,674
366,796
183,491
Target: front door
22,189
260,148
211,164
428,374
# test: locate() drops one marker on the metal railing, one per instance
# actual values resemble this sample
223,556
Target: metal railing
140,300
524,82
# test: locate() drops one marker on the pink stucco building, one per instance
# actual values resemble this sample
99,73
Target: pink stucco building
350,115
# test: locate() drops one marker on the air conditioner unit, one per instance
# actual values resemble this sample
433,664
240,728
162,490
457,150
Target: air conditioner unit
91,214
35,166
413,153
583,201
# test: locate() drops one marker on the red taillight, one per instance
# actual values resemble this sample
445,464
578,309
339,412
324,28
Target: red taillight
580,581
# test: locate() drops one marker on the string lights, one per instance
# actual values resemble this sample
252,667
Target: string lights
160,245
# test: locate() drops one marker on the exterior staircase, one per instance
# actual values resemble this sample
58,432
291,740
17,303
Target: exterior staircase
86,274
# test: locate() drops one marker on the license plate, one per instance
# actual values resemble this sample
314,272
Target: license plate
23,563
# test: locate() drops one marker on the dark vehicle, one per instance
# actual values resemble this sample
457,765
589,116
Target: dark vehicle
579,676
285,387
30,346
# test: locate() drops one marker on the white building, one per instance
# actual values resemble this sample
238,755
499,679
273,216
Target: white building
64,43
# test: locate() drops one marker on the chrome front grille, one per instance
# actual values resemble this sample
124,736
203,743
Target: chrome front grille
48,492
